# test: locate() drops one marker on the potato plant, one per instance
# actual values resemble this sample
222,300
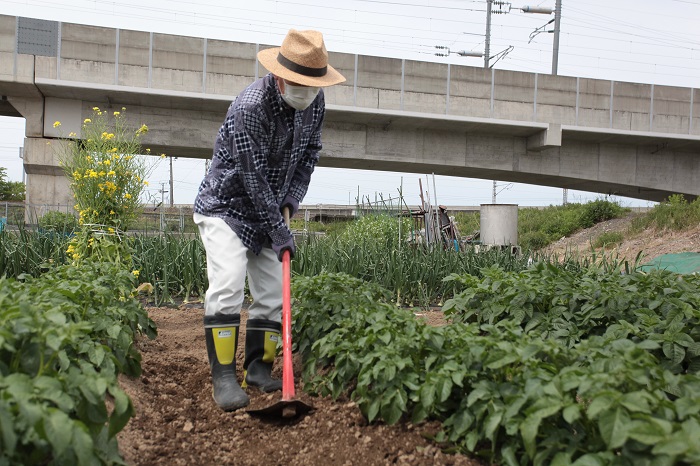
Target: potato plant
514,394
64,339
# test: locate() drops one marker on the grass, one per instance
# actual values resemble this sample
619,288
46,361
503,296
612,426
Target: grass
675,214
609,238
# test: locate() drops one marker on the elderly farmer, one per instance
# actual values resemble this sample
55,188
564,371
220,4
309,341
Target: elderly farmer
264,155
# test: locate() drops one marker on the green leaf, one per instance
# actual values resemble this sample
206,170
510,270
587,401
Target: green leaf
480,392
114,331
373,409
491,424
391,413
646,432
462,420
427,396
613,427
508,455
96,355
83,445
58,431
648,345
528,431
471,439
561,459
636,401
445,389
673,446
9,438
590,459
572,413
674,352
123,410
504,361
599,403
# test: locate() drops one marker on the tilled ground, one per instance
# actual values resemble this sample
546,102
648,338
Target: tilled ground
178,423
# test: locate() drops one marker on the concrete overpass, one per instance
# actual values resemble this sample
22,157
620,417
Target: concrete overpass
629,139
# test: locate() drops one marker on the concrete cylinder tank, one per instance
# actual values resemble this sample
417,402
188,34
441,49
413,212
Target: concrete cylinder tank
499,224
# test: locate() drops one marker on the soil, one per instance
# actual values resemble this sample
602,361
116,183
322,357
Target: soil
178,423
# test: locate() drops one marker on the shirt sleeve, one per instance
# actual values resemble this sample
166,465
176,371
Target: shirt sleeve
305,167
250,145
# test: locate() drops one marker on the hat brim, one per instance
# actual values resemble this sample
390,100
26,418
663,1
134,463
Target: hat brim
268,59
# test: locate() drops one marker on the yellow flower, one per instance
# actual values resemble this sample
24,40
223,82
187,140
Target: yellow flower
123,109
136,273
72,134
111,212
111,173
110,229
116,113
88,158
96,109
113,149
127,196
162,156
56,124
142,129
87,120
148,150
145,183
106,162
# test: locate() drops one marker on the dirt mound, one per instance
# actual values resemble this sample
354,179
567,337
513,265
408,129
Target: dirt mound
650,243
177,422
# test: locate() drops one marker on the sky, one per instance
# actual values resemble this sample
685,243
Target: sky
646,41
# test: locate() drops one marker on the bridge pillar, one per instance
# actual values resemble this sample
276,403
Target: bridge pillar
46,182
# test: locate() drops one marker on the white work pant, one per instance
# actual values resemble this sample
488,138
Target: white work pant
228,261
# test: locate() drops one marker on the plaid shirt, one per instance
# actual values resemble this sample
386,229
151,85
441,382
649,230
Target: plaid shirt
265,150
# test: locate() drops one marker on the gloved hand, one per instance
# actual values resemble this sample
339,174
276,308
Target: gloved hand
279,248
290,202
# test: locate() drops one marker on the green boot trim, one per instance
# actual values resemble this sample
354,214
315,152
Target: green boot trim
221,335
262,337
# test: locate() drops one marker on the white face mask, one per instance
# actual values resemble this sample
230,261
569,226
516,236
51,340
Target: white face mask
299,97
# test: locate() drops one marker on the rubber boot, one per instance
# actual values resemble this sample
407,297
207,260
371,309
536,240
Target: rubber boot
262,336
221,334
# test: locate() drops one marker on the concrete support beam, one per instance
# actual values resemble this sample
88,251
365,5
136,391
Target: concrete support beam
32,109
46,183
545,139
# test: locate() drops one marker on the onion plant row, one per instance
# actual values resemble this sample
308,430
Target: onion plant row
370,249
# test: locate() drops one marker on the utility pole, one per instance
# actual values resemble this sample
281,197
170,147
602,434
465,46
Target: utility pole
21,156
162,204
171,181
555,46
493,193
566,195
487,41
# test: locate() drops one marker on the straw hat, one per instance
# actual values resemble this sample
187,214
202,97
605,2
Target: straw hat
302,59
